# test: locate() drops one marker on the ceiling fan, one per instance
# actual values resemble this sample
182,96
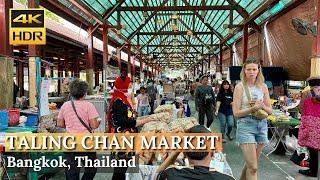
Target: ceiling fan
304,27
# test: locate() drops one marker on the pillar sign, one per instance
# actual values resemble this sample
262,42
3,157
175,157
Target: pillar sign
27,26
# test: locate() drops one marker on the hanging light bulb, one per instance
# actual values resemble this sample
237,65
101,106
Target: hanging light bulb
175,16
189,33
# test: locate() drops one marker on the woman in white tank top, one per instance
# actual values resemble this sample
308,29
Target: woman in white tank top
251,132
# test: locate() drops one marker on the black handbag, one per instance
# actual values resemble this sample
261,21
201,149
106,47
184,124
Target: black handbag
82,122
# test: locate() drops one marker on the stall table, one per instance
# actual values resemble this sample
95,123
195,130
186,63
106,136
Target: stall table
16,129
279,130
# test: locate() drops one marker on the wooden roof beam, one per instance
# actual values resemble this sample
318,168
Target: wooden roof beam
146,22
87,11
173,33
243,13
205,22
155,35
175,8
181,45
255,15
58,8
109,13
199,39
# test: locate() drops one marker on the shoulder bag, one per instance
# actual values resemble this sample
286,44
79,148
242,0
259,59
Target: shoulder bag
259,114
80,119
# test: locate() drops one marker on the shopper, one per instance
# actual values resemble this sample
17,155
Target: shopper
204,101
143,102
78,116
200,164
251,132
152,94
121,119
309,132
224,110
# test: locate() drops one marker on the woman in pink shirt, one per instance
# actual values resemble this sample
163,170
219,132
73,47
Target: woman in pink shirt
78,116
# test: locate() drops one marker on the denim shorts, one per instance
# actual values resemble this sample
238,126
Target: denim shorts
251,130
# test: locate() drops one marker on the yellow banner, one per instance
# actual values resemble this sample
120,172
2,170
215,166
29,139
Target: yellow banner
108,142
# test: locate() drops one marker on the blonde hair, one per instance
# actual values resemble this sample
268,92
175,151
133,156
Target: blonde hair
260,78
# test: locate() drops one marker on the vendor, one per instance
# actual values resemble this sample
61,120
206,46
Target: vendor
309,131
121,118
100,89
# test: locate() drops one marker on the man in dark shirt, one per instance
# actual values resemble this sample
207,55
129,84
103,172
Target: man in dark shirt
204,101
200,162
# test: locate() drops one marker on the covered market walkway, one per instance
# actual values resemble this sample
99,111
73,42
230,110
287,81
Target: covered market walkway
176,41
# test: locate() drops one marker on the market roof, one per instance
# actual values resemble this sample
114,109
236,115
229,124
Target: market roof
175,29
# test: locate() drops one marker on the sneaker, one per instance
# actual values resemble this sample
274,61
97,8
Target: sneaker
208,129
224,140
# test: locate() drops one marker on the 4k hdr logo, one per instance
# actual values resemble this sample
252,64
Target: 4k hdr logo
27,26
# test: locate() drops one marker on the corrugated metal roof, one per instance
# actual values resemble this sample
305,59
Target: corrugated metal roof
205,21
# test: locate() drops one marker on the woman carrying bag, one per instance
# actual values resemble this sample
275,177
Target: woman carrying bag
251,104
78,116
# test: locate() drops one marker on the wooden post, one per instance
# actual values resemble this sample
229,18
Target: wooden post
33,53
245,43
129,61
231,57
6,63
89,69
221,57
20,74
118,51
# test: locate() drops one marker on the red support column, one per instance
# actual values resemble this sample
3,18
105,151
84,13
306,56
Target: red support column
5,48
152,71
89,69
105,47
245,43
20,74
129,61
315,60
77,68
231,57
141,64
221,57
119,57
147,66
134,66
96,77
202,66
59,75
209,62
316,40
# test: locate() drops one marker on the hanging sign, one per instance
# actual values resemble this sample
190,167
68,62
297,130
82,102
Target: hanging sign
27,26
44,100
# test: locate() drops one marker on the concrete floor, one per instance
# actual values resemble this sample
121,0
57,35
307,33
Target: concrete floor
273,167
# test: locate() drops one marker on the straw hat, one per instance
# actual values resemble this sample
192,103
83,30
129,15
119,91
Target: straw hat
314,79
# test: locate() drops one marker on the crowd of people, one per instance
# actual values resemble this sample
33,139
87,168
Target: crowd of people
247,102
